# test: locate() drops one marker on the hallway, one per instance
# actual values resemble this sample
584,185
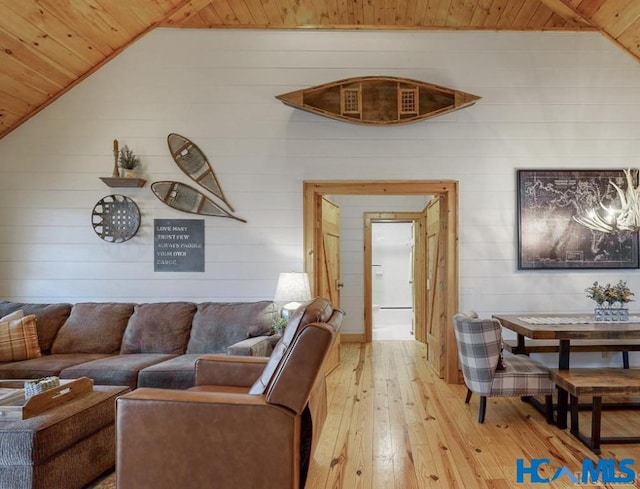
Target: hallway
392,324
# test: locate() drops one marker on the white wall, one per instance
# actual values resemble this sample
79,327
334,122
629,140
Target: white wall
391,244
561,100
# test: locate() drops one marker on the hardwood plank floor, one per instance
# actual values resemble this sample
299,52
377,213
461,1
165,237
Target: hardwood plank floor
392,424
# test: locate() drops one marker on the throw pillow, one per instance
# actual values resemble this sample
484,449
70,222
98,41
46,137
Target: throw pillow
50,318
19,339
14,315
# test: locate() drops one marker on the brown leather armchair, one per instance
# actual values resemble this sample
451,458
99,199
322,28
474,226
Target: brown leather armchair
249,421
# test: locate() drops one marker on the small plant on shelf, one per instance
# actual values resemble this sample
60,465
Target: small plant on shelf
127,160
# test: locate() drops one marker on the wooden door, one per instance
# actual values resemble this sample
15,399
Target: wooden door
420,277
329,256
435,285
412,278
328,265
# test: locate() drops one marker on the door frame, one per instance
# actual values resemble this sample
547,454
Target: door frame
448,189
419,248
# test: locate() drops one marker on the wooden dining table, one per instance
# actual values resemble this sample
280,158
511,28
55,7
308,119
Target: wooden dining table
564,328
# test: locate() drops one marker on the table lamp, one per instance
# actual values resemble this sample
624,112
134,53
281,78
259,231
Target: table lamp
293,289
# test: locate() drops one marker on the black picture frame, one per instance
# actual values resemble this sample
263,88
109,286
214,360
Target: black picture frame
549,237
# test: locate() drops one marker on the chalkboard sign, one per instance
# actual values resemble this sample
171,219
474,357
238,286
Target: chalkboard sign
178,245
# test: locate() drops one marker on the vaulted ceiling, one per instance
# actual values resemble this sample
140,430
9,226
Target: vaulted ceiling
48,46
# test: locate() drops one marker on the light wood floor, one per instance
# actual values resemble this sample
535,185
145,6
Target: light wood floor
393,424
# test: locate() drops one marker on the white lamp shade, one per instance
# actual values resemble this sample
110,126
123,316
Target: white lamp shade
293,287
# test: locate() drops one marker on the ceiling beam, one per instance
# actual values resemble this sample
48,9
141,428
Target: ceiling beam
566,11
611,11
184,12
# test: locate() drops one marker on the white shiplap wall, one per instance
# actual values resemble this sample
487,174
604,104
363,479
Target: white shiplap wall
562,100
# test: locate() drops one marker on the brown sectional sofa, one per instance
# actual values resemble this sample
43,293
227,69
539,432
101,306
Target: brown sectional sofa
139,345
155,345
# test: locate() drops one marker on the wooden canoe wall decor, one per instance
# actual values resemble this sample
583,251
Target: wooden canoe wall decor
378,100
180,196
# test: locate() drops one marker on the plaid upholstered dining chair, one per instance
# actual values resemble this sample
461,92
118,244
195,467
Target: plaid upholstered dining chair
488,374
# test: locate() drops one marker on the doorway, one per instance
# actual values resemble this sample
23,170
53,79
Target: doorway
447,286
392,251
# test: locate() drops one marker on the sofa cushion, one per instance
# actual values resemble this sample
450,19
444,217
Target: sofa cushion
177,373
45,366
93,328
18,337
50,317
159,328
217,325
115,370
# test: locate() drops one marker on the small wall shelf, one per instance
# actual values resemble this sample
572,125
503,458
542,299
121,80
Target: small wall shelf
123,182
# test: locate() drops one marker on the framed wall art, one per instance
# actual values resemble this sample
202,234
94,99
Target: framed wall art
178,245
548,235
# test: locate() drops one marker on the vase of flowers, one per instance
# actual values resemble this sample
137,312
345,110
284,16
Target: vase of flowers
610,301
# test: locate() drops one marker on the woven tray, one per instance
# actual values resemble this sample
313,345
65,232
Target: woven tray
14,407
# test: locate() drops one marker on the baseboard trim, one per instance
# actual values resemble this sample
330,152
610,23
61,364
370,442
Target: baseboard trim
351,338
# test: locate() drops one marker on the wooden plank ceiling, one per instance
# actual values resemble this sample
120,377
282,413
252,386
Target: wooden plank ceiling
48,46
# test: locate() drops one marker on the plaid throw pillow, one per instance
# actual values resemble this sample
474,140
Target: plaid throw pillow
14,315
18,338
